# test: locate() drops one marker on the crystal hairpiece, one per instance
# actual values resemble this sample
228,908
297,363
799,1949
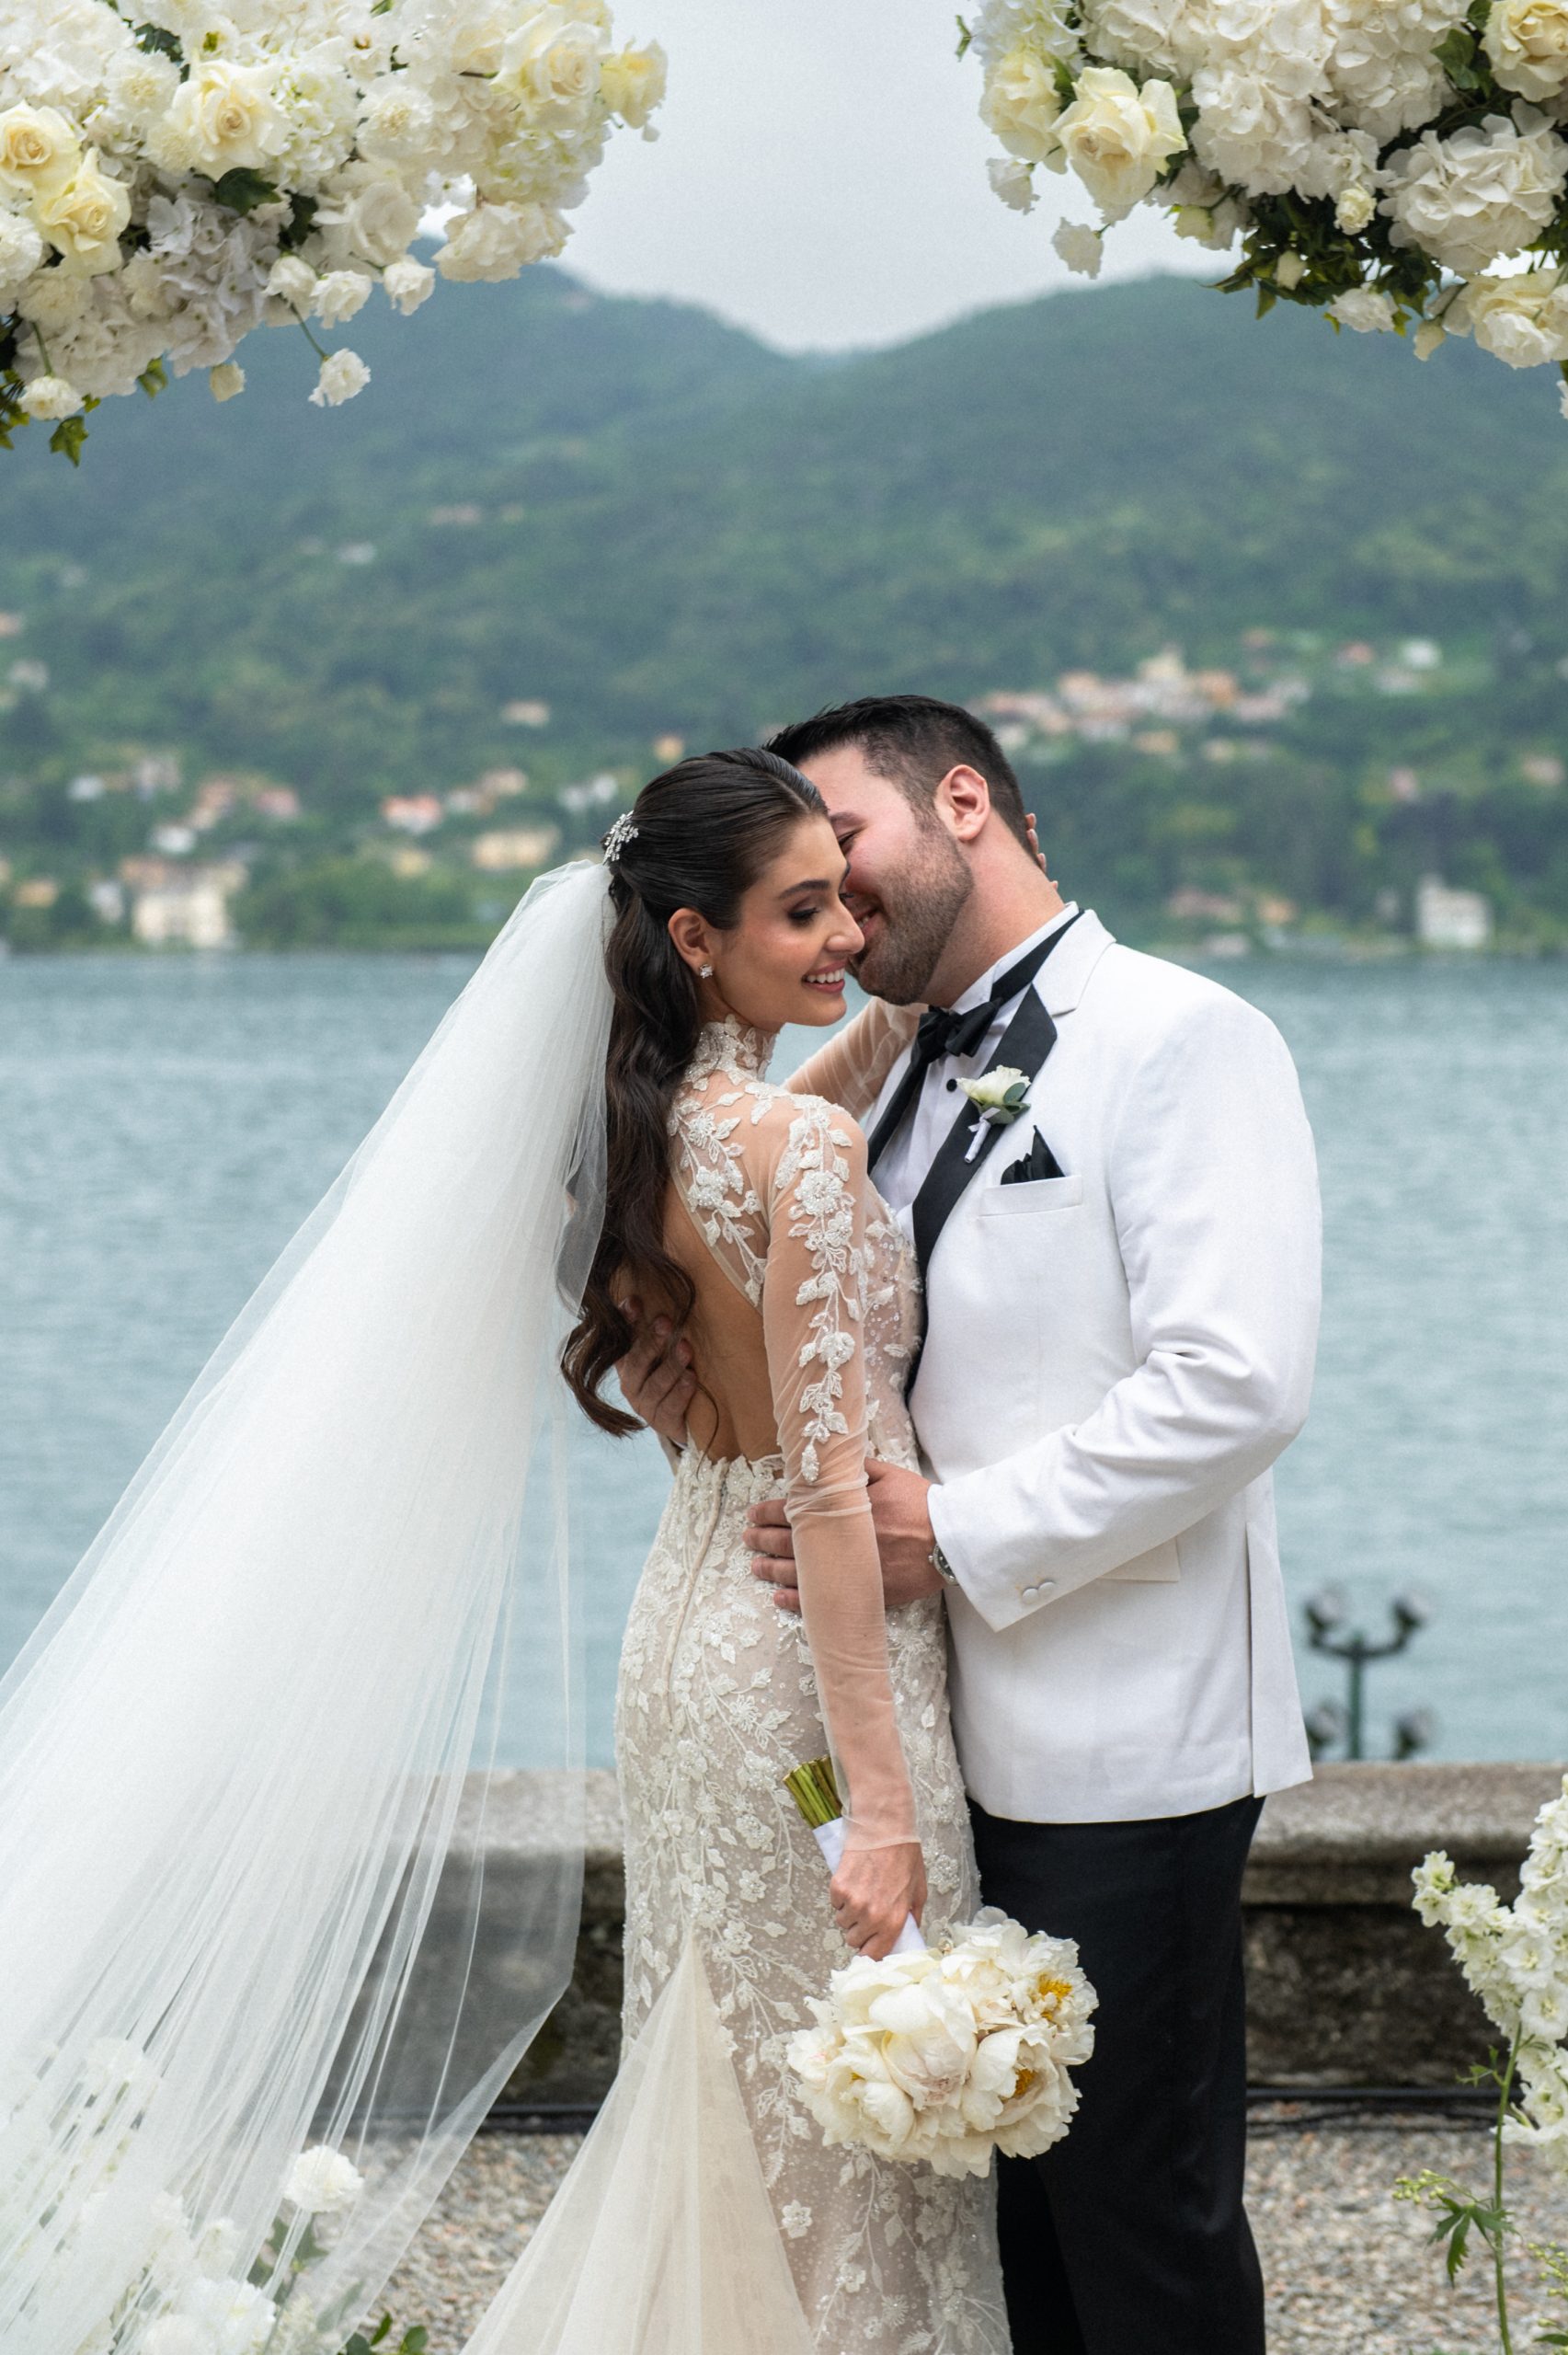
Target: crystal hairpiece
622,832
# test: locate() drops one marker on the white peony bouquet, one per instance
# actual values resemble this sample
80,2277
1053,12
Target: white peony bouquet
946,2053
1397,164
176,172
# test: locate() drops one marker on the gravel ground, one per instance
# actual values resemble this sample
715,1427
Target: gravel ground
1348,2272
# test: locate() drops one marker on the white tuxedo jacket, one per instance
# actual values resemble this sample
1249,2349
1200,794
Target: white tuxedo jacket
1113,1359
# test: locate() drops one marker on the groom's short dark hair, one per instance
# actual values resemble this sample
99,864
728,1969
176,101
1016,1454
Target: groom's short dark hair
913,741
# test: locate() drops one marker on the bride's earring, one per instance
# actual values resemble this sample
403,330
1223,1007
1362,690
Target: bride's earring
705,972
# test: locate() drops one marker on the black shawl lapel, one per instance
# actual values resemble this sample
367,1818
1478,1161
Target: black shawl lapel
1025,1043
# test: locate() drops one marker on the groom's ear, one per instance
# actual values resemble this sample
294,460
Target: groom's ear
689,935
963,801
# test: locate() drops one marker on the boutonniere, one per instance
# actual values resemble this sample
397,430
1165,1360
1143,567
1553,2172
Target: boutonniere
999,1097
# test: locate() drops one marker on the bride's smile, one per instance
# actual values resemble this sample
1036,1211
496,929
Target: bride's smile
784,958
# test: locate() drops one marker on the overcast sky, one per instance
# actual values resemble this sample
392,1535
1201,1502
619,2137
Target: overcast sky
819,177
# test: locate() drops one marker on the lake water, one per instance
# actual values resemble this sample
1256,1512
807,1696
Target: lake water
166,1123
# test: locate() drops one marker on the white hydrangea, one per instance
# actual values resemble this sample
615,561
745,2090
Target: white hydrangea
1167,37
1486,190
21,251
1382,69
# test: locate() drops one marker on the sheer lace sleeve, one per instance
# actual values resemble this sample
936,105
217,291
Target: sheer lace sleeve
853,1068
814,1293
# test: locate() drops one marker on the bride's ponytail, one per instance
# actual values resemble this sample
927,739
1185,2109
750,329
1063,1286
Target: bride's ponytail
696,837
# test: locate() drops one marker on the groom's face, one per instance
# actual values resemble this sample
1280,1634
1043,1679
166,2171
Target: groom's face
907,879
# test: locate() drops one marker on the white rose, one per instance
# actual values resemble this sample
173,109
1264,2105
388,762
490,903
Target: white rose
1522,320
37,150
83,218
1527,44
494,241
1022,105
50,399
343,373
339,294
1119,138
1366,310
1486,190
633,82
225,381
375,217
292,281
21,249
322,2181
1014,182
1082,249
552,61
408,283
1354,209
224,117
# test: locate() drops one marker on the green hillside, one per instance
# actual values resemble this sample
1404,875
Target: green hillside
656,526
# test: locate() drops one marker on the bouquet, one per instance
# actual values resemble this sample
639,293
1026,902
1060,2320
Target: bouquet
943,2053
176,174
1397,166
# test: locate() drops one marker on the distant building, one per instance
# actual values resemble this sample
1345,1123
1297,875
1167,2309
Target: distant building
37,892
187,907
527,711
1452,920
413,813
511,848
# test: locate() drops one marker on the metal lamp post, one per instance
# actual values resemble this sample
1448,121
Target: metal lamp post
1333,1721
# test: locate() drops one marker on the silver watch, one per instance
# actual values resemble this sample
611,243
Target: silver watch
941,1564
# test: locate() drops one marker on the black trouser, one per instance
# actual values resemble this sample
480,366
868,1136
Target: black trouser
1130,2237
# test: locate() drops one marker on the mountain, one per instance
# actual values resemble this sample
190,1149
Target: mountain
655,526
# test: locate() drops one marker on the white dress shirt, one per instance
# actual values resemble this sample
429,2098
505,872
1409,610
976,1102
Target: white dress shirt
904,1166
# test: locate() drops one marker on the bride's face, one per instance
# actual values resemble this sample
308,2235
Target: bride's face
784,960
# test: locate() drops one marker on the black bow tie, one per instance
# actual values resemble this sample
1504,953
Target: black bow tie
943,1032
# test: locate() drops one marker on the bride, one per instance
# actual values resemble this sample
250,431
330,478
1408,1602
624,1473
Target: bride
241,1860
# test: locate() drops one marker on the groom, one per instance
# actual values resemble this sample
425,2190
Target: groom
1121,1311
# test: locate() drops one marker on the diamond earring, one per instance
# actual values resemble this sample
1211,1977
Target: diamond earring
705,972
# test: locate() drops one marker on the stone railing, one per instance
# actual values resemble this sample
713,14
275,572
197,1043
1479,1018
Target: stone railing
1346,1986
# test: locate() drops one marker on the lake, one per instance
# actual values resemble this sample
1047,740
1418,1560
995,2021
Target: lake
167,1122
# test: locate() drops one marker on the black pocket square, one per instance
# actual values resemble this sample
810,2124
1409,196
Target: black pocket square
1038,1162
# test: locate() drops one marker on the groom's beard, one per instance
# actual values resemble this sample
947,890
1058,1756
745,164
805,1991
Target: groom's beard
917,920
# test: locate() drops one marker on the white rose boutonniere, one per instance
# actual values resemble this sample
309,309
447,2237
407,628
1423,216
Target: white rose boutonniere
1000,1094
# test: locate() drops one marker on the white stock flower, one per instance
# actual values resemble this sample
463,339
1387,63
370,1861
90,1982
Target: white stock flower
83,218
138,87
223,119
408,283
292,281
339,296
494,241
1014,182
1488,189
21,249
38,150
1522,321
322,2182
225,381
1082,249
1544,2012
1365,309
238,2319
633,82
1526,46
1022,106
1166,36
178,2335
343,373
1382,69
1119,138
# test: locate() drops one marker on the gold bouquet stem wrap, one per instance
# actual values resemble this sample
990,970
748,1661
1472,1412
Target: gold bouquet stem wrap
815,1790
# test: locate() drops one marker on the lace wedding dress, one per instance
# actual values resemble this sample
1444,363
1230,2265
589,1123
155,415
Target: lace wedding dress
706,2215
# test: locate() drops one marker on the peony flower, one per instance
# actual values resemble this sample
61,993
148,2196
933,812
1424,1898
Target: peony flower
1526,46
1486,190
224,117
632,84
225,381
408,283
1080,248
322,2182
38,150
494,241
1522,321
1022,106
1119,138
1365,309
83,218
339,294
1012,182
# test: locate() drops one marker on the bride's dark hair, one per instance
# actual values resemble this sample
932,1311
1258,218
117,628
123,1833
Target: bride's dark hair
698,836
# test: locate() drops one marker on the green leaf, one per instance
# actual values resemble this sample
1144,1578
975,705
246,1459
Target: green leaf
1479,13
416,2340
154,378
1067,88
154,40
303,211
964,37
68,437
1266,300
242,190
1455,54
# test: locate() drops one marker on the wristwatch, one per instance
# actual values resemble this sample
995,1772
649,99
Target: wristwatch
941,1564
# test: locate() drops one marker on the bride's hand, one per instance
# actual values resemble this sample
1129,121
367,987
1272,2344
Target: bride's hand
874,1891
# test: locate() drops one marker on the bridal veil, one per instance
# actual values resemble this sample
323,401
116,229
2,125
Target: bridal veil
242,1795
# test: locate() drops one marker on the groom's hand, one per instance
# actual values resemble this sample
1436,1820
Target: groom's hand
904,1539
656,1376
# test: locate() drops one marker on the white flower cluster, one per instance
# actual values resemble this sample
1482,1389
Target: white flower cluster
167,185
947,2055
180,2292
1515,1959
1381,159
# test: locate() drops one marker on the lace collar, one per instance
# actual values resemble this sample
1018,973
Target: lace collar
733,1048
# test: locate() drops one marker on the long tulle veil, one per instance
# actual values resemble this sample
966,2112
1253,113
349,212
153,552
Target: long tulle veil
242,1832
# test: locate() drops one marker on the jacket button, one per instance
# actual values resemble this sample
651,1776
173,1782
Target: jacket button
1029,1590
1046,1586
